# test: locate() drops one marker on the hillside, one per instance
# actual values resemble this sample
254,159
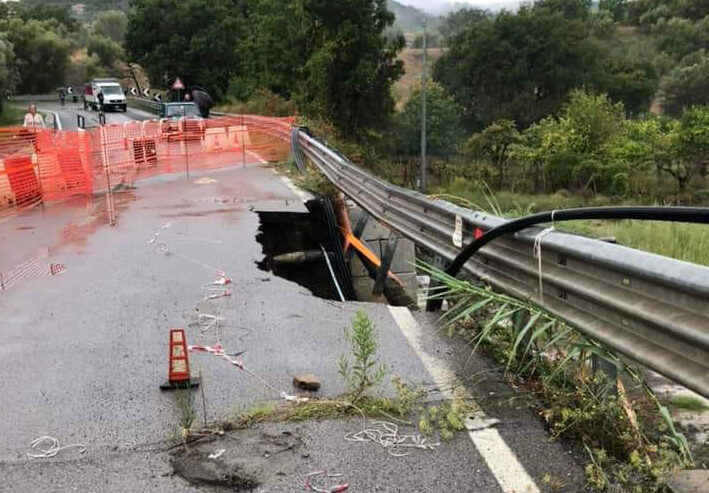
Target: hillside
411,19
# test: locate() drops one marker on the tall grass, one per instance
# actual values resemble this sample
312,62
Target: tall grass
688,242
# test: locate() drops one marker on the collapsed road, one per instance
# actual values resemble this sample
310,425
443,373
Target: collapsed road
85,351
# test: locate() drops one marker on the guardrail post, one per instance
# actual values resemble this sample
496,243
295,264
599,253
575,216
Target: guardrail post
439,263
387,257
80,121
109,191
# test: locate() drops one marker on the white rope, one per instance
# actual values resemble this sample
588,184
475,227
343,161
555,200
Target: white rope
53,448
386,434
538,255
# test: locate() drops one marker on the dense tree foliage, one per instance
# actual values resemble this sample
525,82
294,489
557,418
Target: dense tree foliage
43,11
331,57
7,68
444,127
111,24
517,66
196,40
41,51
350,68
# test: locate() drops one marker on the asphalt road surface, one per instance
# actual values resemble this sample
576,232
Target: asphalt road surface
83,353
69,112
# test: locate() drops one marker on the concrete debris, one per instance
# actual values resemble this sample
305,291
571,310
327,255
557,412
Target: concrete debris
307,381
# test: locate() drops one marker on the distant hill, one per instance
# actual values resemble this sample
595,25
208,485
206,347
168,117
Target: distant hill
411,19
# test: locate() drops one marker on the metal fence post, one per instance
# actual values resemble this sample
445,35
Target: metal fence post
109,190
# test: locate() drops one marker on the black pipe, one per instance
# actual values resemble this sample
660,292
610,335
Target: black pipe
645,213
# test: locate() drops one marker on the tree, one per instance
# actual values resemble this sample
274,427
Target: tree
107,50
688,147
617,8
627,72
516,66
197,40
42,11
111,24
273,54
444,129
41,53
571,9
686,85
351,67
494,143
7,68
680,37
575,148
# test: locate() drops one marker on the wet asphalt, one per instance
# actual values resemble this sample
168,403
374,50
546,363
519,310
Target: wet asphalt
83,352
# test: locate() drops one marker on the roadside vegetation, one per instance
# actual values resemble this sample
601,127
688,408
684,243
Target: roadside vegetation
627,434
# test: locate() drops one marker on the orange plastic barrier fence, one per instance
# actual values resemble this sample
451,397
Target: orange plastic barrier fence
46,165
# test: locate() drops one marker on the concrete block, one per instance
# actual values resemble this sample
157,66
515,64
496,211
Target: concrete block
696,481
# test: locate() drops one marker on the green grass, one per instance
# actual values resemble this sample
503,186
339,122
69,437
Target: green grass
11,115
688,242
688,403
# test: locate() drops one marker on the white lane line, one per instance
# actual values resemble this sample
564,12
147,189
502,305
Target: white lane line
500,459
303,195
256,156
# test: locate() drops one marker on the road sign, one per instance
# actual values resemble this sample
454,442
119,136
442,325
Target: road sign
70,90
133,91
146,92
178,85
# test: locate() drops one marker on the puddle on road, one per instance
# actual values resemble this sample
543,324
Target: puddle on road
77,232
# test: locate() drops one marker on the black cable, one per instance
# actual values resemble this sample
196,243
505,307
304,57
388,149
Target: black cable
645,213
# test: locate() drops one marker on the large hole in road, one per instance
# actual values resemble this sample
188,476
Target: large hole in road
292,242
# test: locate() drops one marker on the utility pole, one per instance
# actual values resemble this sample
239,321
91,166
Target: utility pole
423,115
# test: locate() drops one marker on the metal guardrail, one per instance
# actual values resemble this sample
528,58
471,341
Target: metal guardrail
56,121
146,105
653,309
34,97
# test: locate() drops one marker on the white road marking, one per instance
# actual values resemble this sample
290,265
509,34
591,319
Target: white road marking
257,157
500,459
300,193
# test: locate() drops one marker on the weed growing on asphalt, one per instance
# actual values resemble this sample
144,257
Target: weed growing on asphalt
446,418
629,435
186,406
363,371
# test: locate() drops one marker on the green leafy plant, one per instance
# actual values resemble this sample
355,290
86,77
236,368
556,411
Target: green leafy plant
632,436
364,370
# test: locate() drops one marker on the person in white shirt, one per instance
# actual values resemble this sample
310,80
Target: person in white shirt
33,119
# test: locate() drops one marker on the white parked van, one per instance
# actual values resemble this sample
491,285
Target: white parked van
113,95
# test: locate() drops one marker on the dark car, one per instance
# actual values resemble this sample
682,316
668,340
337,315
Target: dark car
182,121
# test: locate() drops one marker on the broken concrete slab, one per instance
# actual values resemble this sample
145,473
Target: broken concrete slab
696,481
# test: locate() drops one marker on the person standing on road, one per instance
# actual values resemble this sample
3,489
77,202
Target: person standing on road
62,96
99,98
33,119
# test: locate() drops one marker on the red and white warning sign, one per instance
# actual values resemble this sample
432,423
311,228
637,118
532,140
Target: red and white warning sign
178,85
179,365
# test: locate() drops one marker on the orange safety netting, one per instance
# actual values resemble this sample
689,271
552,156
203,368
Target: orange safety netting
44,165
